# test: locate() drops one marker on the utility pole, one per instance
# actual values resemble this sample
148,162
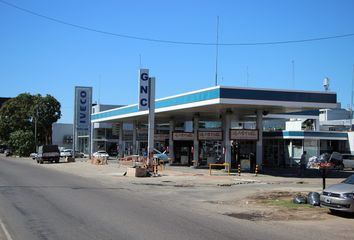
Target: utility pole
351,102
217,51
35,129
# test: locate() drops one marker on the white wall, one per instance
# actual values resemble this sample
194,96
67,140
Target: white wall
351,142
293,125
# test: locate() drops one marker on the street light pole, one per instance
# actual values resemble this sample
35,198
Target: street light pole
35,130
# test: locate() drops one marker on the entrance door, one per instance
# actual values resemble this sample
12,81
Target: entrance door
243,152
183,152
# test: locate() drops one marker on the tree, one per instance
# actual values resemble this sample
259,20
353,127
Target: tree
22,141
15,115
46,111
26,111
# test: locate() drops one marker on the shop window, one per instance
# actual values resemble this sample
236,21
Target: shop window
210,125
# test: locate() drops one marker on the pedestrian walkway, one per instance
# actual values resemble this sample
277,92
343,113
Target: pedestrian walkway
114,171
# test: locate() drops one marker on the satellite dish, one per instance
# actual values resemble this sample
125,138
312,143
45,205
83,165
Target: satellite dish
326,83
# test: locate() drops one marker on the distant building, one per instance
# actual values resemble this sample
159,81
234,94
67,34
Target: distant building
62,135
105,136
327,130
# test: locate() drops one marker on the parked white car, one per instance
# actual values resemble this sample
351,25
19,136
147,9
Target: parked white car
66,153
33,156
339,197
348,161
100,154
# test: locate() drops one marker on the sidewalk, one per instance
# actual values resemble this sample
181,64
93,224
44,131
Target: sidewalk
114,172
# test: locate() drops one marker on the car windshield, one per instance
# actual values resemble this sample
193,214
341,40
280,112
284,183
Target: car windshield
349,180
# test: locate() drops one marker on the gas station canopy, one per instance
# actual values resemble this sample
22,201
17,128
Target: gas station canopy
209,103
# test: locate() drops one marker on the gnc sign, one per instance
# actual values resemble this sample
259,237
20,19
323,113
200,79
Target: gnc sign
144,89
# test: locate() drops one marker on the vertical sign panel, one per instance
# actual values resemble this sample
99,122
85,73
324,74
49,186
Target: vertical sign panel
143,89
83,99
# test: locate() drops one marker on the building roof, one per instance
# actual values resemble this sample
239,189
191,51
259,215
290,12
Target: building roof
211,102
315,135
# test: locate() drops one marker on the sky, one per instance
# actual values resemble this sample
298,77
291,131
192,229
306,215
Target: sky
42,56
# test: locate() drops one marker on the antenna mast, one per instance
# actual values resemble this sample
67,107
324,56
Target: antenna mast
217,51
247,76
99,90
293,73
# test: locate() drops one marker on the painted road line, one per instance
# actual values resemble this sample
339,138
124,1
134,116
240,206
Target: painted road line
7,234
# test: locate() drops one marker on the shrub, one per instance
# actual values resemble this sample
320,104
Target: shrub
22,142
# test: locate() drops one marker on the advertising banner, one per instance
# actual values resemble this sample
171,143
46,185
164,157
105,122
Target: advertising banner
183,136
161,137
216,136
244,134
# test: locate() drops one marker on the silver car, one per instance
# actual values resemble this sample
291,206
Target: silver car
339,197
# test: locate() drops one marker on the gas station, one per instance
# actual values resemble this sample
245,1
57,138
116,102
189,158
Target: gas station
212,125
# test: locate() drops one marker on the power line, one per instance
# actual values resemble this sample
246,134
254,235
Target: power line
172,41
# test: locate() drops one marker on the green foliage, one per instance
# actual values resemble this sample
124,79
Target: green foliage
15,114
26,111
22,141
47,111
287,203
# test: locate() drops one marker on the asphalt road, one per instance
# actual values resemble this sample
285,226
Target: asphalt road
39,203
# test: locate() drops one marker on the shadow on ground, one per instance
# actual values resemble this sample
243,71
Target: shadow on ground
308,173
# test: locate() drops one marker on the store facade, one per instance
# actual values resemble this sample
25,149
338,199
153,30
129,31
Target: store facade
284,148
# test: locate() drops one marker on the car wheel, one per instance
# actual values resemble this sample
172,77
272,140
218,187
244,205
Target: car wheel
57,161
341,167
41,162
353,169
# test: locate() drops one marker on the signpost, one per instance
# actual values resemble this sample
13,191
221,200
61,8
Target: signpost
82,115
324,169
147,102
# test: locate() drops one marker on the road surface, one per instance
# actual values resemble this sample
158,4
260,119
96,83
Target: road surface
39,203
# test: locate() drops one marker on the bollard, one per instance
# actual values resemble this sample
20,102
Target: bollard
155,169
256,171
162,165
239,169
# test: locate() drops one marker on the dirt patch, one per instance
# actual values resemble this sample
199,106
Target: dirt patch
282,215
260,197
150,184
247,216
277,206
183,185
165,184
